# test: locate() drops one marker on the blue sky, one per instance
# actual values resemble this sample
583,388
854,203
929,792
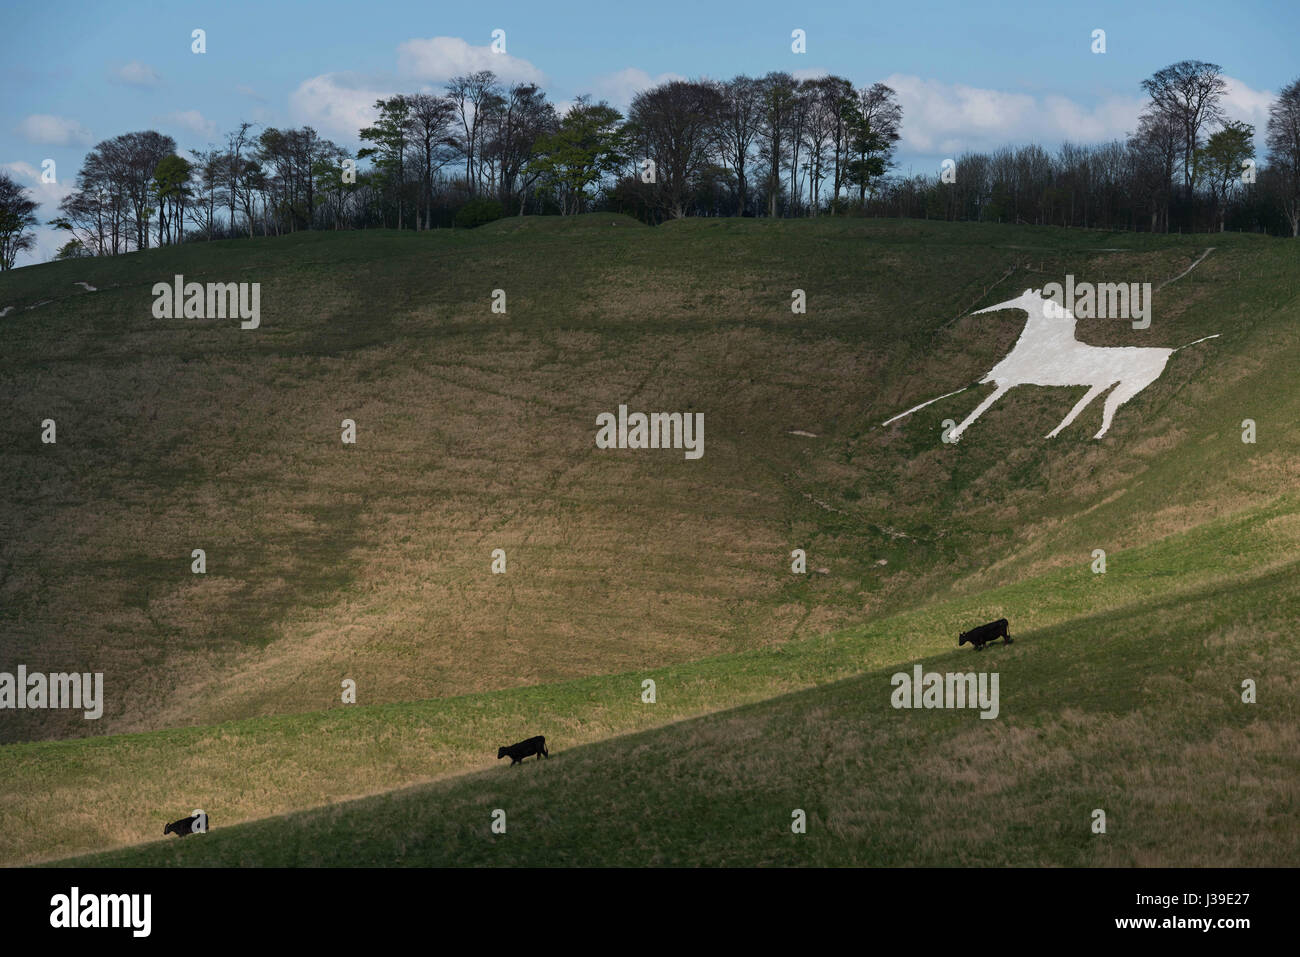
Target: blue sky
970,75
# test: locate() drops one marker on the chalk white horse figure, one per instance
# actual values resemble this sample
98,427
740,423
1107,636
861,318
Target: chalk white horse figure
1047,353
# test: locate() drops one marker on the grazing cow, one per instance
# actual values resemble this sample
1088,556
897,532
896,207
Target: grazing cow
981,636
182,827
525,749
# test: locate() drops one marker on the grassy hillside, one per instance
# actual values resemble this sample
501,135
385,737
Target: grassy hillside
475,432
1128,704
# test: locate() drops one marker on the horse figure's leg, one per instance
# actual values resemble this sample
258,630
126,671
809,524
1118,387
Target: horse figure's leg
1123,392
1082,404
980,409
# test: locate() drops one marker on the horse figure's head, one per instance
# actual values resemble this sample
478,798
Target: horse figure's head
1045,314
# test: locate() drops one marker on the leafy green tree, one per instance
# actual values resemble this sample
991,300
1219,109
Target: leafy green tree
1220,162
478,211
873,120
72,249
391,135
333,188
588,146
171,186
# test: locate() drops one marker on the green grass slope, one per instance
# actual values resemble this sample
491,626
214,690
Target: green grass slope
1134,710
476,432
1214,603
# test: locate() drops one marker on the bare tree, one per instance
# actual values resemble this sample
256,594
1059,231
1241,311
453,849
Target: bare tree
1155,149
114,190
1284,150
208,168
839,95
469,94
522,118
739,113
235,145
16,218
821,120
777,93
431,130
1187,93
675,124
803,97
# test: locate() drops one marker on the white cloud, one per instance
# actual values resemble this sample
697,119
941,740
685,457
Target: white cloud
619,88
337,103
342,103
1247,105
53,130
1113,118
437,59
250,92
136,73
48,240
191,120
951,118
1243,103
23,170
810,73
49,195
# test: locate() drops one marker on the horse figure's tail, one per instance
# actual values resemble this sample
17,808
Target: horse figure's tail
1016,303
917,408
1215,336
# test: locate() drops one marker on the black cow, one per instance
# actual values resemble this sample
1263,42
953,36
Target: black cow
981,636
525,749
182,827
